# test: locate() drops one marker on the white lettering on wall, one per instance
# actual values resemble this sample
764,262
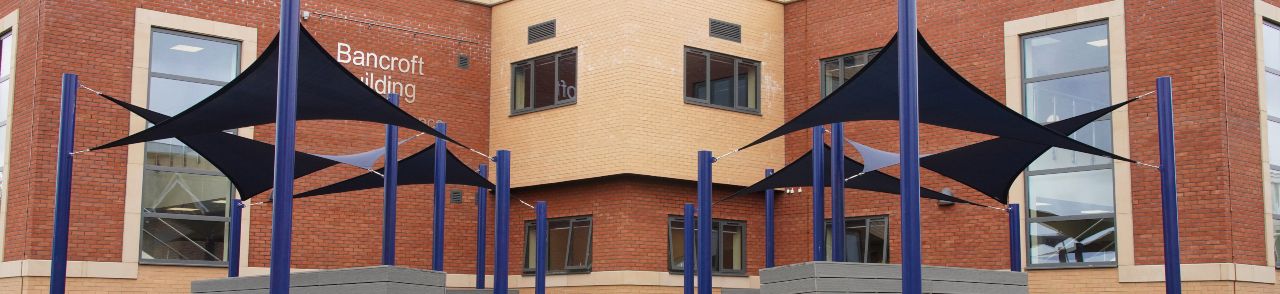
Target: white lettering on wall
384,83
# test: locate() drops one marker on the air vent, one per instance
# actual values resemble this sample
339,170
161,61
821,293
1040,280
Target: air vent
542,31
464,61
726,30
455,196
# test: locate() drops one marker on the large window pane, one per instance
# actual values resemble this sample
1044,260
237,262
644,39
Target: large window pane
1073,241
748,85
695,75
1059,99
6,58
1273,143
1074,193
727,249
831,76
568,245
865,240
722,81
182,193
544,81
567,86
1271,46
182,239
184,197
522,82
1066,51
194,56
1273,92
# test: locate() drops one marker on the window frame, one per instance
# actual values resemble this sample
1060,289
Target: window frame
871,54
716,223
707,54
146,167
1027,174
887,231
1273,169
531,229
533,78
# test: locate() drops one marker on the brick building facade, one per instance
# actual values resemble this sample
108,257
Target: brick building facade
619,152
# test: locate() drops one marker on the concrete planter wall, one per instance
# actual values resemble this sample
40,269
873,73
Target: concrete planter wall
373,280
845,277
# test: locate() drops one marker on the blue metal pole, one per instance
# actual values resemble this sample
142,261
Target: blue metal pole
482,212
768,223
437,218
233,243
286,119
909,140
704,221
390,182
62,193
1015,237
837,192
819,244
1168,186
540,280
501,220
689,242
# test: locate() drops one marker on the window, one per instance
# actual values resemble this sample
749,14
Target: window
866,240
839,69
184,198
1271,98
6,99
721,81
728,249
544,82
1070,195
568,245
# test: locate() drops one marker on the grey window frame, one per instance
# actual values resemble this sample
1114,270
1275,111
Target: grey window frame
530,229
707,54
716,224
865,249
533,78
1030,221
226,220
1274,169
839,59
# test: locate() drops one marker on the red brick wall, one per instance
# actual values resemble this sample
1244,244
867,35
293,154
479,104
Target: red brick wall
1217,111
332,231
629,215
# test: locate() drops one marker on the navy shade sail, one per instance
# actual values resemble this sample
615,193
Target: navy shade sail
799,174
326,90
247,163
416,169
946,100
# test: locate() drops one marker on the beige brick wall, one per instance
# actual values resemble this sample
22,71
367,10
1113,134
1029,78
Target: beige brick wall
151,279
630,115
1107,281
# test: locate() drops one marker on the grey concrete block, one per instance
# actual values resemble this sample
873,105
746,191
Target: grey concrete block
376,279
839,277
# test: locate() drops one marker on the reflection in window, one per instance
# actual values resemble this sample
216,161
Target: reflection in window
184,197
568,245
866,240
838,70
1070,195
727,251
721,81
544,81
1271,98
